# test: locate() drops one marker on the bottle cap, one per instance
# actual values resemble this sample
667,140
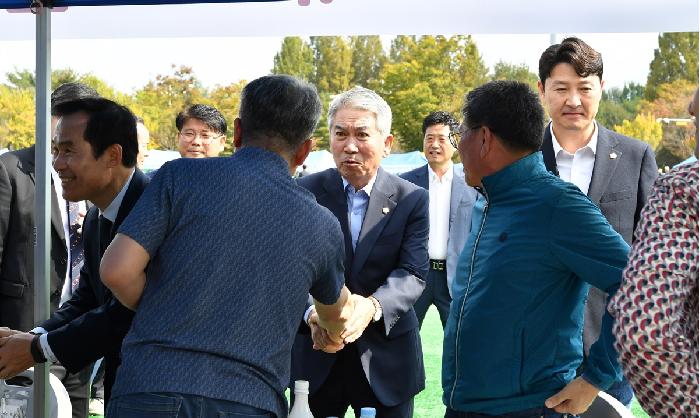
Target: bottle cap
301,386
368,412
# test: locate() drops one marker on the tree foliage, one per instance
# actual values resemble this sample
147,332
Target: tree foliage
17,119
295,58
644,126
520,72
368,59
676,58
333,63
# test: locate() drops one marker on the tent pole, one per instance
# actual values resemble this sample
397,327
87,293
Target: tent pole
42,204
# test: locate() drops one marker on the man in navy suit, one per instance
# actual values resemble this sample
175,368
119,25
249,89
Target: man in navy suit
384,219
451,202
95,158
616,172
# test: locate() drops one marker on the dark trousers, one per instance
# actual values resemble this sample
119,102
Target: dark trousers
177,405
346,385
435,293
622,391
527,413
78,387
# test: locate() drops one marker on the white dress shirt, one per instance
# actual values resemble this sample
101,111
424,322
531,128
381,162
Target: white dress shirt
576,168
440,190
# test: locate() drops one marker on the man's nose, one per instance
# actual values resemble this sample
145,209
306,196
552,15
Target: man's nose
573,99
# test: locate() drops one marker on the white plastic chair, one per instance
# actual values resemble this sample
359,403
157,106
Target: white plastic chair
605,406
17,401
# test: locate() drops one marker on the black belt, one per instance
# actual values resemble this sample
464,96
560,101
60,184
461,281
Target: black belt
437,265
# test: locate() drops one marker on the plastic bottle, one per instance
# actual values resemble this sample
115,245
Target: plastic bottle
368,413
301,409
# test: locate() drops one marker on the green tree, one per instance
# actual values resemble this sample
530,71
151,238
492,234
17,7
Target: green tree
21,79
429,73
227,99
676,58
368,58
521,72
160,100
17,119
333,63
295,58
619,104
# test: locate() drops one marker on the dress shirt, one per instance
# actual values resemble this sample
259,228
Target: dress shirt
439,211
110,213
576,168
358,200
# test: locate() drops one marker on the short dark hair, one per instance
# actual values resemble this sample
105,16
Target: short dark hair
511,110
108,123
279,106
207,114
585,60
70,91
439,118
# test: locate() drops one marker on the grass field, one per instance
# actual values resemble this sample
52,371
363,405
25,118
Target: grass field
428,404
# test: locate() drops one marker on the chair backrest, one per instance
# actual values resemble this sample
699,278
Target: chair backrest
605,406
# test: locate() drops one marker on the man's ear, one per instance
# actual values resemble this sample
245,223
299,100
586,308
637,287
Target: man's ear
237,140
487,139
302,152
540,88
114,154
387,145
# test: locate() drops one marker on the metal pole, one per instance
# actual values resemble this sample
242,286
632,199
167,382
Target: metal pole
42,204
552,38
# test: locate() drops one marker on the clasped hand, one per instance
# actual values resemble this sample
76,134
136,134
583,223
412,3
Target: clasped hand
362,310
15,352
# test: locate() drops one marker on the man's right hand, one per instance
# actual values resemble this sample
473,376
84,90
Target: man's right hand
6,332
322,340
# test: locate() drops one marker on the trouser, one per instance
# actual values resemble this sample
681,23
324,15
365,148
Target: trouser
177,405
527,413
435,293
346,385
78,387
97,389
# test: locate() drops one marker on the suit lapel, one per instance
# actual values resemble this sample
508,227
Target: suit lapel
335,200
604,165
133,192
28,167
379,210
422,177
547,149
456,194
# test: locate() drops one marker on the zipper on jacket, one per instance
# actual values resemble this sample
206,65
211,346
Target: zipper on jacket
466,295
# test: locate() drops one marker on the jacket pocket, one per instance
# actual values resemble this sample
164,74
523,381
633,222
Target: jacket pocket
13,290
615,196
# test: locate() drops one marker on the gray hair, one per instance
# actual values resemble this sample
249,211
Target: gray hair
363,99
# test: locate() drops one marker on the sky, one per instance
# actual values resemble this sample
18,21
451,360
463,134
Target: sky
128,64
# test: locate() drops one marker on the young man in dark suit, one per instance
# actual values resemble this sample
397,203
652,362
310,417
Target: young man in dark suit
17,190
384,219
95,158
451,202
616,172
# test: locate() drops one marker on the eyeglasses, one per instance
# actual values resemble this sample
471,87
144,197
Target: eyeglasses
206,137
455,137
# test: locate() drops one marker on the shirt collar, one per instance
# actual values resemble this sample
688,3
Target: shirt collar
112,210
367,188
446,178
592,144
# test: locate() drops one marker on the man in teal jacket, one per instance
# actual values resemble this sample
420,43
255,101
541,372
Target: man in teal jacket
513,338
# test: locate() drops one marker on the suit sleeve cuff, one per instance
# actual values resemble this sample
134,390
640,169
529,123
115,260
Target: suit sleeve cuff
38,331
308,313
46,348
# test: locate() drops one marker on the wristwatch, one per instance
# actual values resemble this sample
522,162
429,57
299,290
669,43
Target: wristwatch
377,309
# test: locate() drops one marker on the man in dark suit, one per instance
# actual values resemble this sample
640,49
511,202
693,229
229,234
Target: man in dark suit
451,202
17,191
96,150
616,172
384,219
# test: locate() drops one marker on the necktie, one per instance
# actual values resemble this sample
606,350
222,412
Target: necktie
105,234
76,243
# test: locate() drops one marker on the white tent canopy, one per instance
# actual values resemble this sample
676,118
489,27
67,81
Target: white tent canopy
354,17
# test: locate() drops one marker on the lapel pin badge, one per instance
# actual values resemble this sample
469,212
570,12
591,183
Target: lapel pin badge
385,210
613,155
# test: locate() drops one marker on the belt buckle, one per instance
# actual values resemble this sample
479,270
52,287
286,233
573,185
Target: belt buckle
438,265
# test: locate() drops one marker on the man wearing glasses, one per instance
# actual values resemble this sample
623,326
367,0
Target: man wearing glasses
451,202
201,132
513,340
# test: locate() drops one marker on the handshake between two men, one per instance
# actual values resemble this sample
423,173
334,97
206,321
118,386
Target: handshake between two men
333,326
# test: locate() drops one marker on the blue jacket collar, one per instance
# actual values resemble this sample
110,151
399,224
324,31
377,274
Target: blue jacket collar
515,174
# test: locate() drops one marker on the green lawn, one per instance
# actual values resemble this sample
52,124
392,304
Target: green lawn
428,404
